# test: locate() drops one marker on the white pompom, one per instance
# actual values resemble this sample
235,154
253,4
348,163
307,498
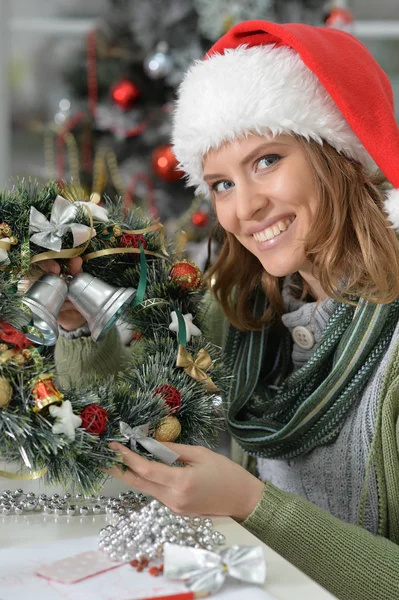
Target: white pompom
391,207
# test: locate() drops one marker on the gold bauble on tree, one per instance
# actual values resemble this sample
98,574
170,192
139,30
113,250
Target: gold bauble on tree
5,392
169,430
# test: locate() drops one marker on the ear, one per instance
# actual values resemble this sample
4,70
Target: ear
391,207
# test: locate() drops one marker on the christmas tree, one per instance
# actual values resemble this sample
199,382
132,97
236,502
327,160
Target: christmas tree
122,83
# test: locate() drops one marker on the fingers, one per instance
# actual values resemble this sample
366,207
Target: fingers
190,455
133,480
75,265
46,266
146,469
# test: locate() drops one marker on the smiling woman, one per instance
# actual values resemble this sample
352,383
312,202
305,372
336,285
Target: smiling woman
295,206
283,126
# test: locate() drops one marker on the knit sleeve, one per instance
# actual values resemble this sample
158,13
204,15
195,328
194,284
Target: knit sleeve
79,359
345,559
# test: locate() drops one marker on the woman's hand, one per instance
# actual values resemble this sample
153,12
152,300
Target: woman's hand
211,484
69,318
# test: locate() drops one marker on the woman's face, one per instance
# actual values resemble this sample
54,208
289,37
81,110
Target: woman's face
264,194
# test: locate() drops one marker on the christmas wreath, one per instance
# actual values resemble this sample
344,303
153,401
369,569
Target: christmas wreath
171,385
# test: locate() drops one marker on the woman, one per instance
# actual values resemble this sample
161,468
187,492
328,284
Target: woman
283,126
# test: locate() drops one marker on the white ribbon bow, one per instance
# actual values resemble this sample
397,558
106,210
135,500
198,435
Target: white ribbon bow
206,571
139,435
48,233
4,260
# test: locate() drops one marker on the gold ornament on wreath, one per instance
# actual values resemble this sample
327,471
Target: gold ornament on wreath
168,430
5,392
45,393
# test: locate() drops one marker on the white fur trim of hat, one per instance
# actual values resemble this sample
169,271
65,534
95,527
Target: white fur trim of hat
264,90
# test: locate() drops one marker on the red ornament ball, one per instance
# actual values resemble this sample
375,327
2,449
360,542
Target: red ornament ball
131,240
125,94
200,219
170,394
186,274
164,164
94,419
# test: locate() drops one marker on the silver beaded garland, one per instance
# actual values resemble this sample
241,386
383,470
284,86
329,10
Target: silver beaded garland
18,503
135,535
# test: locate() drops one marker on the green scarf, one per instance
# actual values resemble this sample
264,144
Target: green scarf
277,414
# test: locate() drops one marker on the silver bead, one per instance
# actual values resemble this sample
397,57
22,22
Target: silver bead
30,496
97,509
47,509
79,497
101,499
84,510
66,496
71,510
55,497
58,511
114,556
108,549
18,493
207,522
196,521
30,505
6,510
18,510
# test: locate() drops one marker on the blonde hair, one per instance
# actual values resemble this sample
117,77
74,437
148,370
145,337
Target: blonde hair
351,245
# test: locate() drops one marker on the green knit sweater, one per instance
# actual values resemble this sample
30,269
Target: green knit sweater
348,561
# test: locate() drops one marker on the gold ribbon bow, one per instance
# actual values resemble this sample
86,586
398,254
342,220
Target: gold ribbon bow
197,368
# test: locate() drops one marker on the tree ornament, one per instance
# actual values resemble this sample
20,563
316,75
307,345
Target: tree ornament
12,336
191,329
340,18
170,394
45,393
65,420
158,64
94,419
5,230
200,218
125,94
186,274
168,430
131,240
164,164
5,392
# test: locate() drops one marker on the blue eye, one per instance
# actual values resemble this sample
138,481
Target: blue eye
222,186
267,161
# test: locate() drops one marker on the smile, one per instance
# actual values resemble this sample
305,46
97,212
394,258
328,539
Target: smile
275,230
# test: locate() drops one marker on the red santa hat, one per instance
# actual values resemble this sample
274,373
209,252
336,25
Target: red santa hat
269,79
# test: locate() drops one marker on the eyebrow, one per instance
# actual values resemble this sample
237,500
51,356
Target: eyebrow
248,158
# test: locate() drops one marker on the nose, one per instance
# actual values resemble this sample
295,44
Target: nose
249,200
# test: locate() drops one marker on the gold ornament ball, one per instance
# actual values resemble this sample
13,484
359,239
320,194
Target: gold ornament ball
169,430
5,392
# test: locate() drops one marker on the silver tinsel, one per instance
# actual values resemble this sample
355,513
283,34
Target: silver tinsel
17,503
135,535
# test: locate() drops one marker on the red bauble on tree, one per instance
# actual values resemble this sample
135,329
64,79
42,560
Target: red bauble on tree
94,419
131,240
200,218
125,94
186,274
164,164
170,394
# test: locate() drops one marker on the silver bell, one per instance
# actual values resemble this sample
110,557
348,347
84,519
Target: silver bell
45,298
100,303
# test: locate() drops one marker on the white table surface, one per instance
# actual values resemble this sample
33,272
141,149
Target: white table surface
284,581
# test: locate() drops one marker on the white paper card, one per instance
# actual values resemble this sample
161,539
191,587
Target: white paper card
18,580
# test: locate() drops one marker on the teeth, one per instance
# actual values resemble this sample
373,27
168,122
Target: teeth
271,232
